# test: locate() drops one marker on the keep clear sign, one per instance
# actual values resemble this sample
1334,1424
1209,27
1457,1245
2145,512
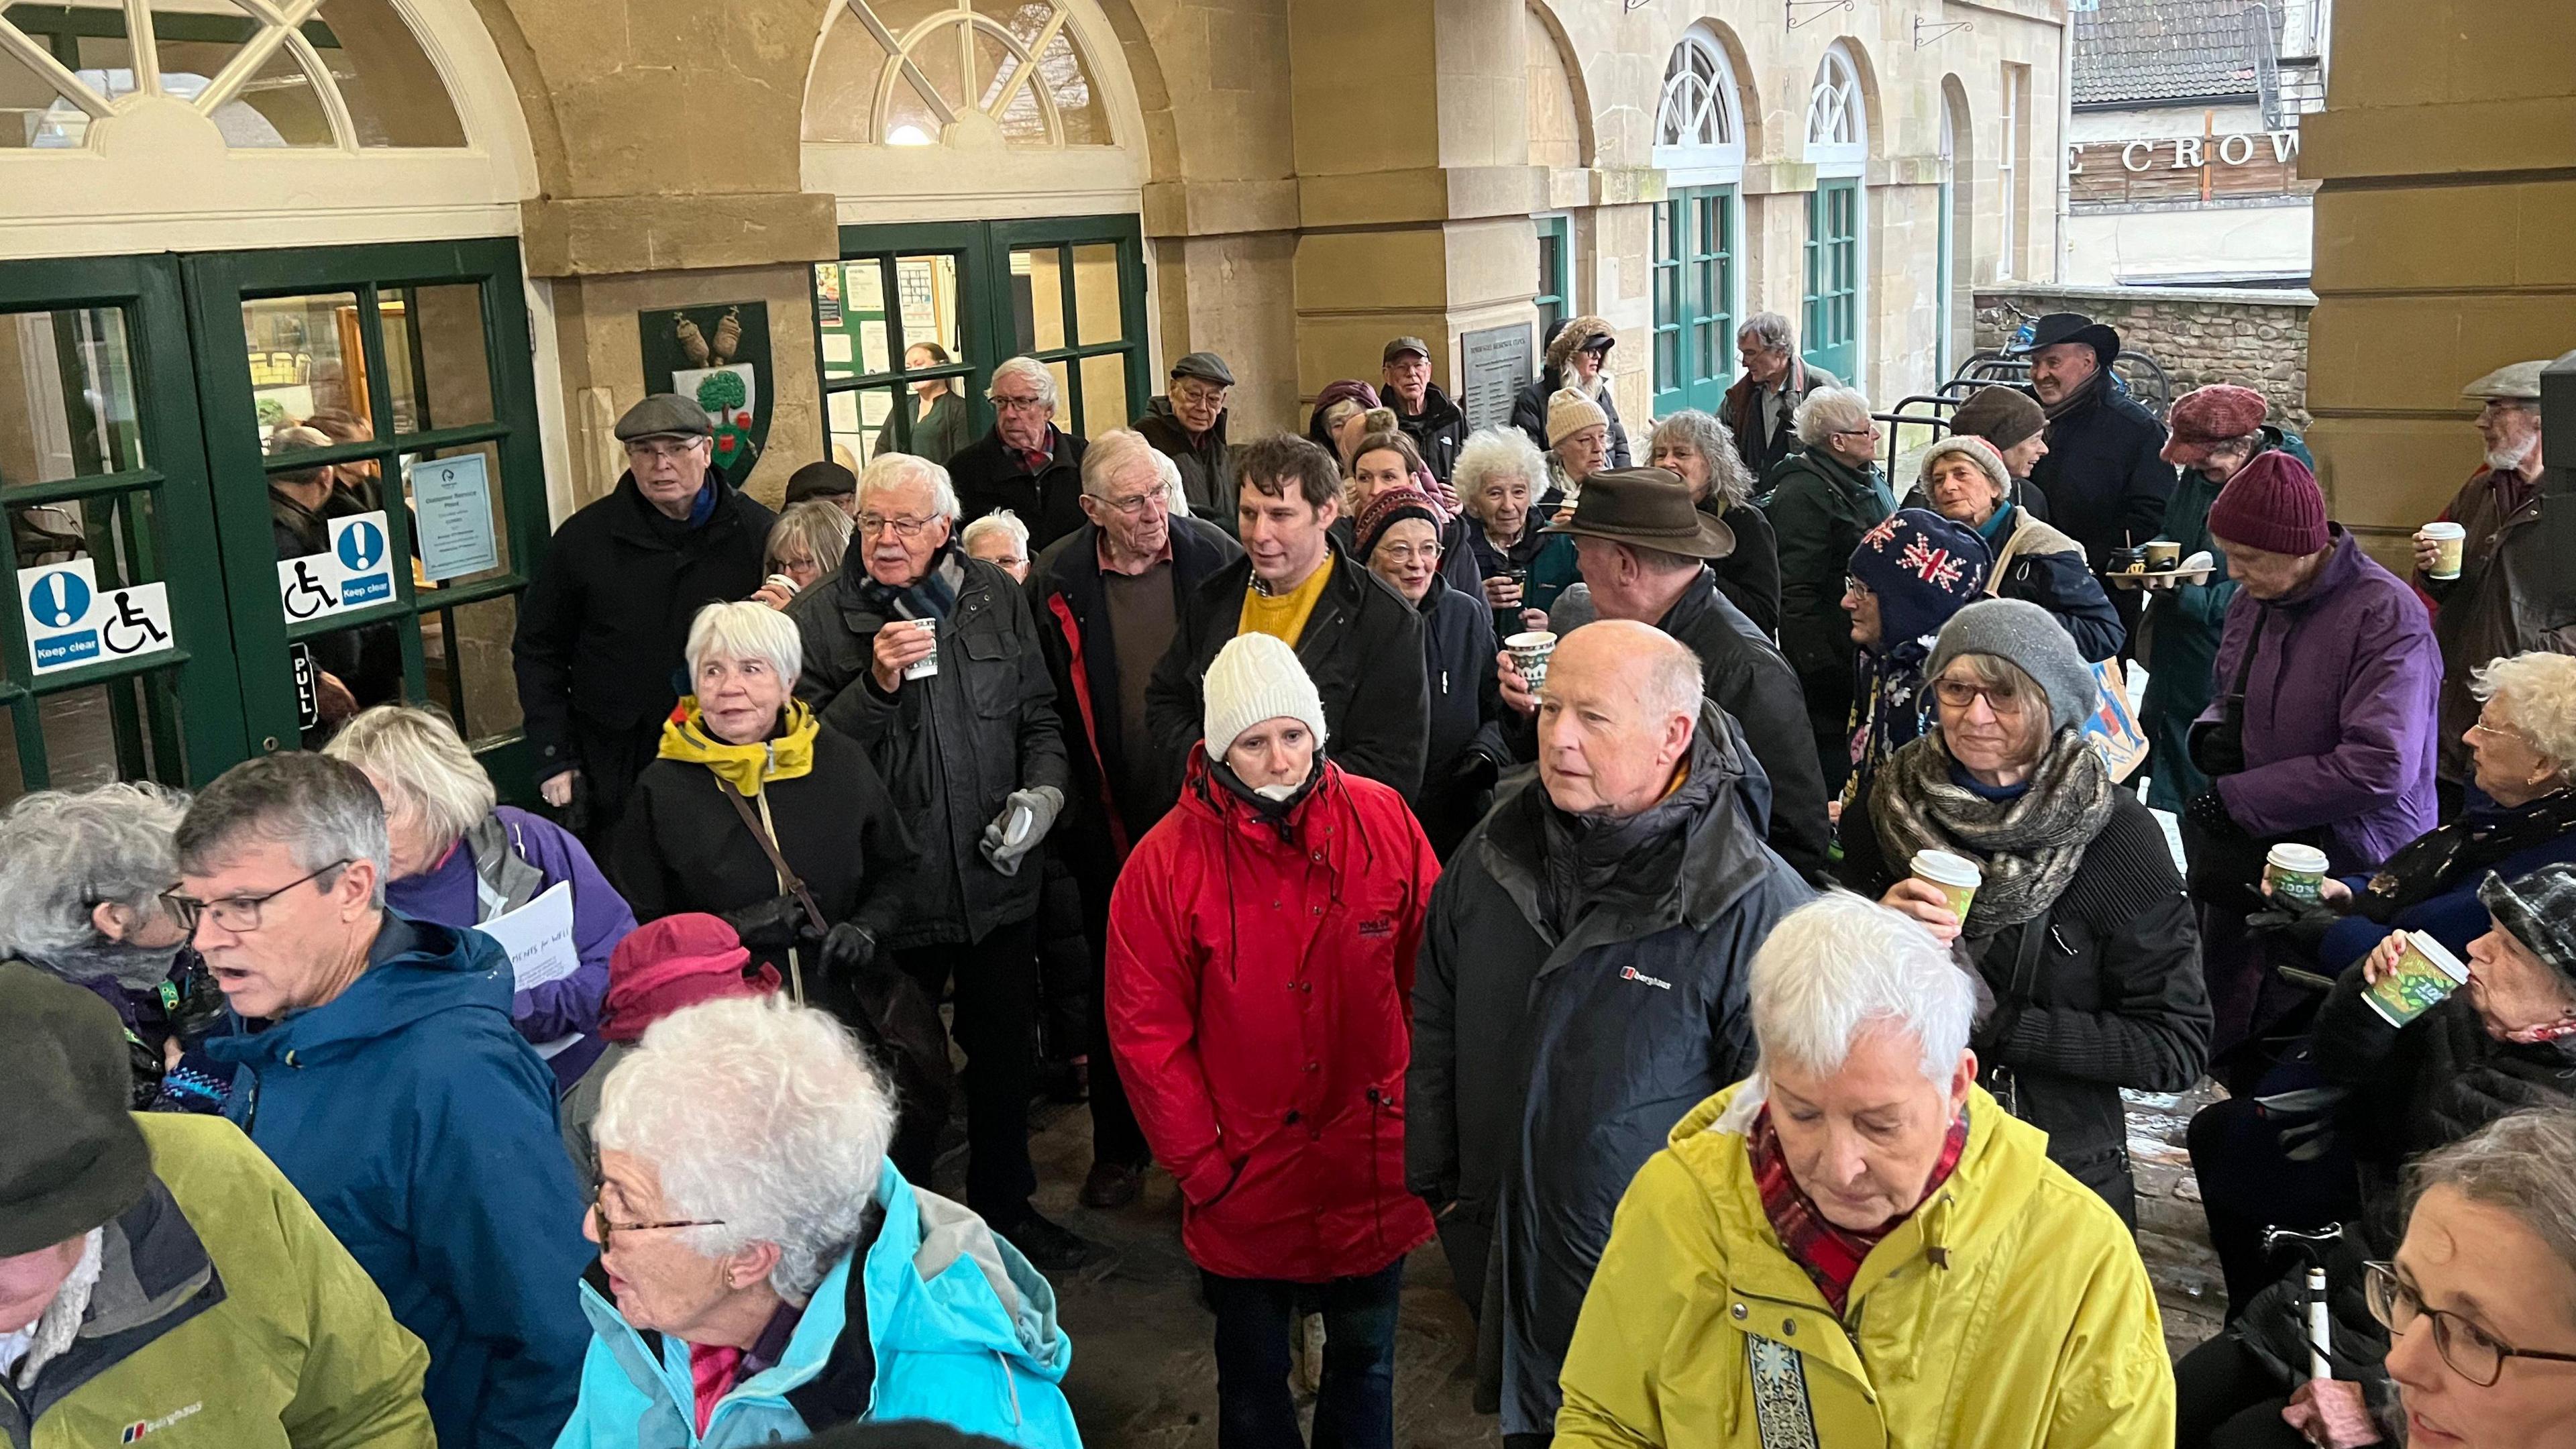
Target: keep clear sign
353,574
71,623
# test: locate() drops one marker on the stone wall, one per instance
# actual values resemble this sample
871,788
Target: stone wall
2252,337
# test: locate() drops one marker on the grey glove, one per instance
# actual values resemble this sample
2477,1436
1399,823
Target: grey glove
1039,808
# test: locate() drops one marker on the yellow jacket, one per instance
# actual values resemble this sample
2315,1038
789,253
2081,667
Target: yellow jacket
1699,1330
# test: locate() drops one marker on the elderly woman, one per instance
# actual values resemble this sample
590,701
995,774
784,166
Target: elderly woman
1578,442
1399,541
1000,539
1859,1223
1335,425
81,877
2505,1042
2079,931
1697,446
1503,490
1578,360
460,859
1897,612
806,545
1386,460
1964,480
1820,500
765,1273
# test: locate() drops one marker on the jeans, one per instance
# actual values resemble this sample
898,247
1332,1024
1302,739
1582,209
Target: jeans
995,1022
1354,1405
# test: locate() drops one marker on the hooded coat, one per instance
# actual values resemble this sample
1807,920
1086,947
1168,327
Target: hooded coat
2339,709
2010,1311
1582,986
225,1306
1529,407
421,1127
1283,1124
937,1317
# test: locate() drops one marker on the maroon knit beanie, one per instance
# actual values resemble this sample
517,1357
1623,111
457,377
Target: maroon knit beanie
2272,504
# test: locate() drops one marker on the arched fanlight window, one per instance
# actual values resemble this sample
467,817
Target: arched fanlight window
904,72
1837,117
322,74
1698,109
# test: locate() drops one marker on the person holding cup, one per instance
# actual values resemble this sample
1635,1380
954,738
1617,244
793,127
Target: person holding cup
2077,927
1503,490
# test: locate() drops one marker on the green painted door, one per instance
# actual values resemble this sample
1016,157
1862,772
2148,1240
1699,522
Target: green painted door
1832,325
1694,290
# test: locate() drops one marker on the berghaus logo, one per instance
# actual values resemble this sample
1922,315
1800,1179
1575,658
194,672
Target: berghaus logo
1631,973
141,1427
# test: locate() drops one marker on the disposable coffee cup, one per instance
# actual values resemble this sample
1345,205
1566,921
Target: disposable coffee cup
2162,556
2295,872
2448,539
1530,652
1955,876
2425,975
928,664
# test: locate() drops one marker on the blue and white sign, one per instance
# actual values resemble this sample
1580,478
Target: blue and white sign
71,623
358,542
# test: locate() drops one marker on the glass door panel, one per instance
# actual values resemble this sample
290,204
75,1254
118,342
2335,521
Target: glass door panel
889,325
1832,322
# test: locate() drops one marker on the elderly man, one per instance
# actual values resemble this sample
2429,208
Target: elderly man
1820,501
1582,985
1187,425
932,660
1643,547
159,1273
1858,1245
602,623
1360,641
2492,607
2105,481
1761,408
1108,599
387,1082
1422,411
1026,464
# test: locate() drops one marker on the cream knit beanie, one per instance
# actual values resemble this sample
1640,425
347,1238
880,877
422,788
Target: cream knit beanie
1257,677
1570,412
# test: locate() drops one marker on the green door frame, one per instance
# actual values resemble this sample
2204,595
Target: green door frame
1694,268
1831,326
201,671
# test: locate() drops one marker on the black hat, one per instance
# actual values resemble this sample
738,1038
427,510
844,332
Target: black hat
71,1157
1206,367
2539,910
664,415
825,479
2059,327
1646,508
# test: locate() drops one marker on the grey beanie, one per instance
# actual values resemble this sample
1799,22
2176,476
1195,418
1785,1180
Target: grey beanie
2030,639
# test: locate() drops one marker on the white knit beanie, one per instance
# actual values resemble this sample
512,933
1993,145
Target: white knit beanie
1256,677
1570,412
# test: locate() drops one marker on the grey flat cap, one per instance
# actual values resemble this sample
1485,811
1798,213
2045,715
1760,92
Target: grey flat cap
664,415
1206,367
2514,382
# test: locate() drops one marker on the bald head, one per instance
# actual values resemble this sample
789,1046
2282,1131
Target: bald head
1616,717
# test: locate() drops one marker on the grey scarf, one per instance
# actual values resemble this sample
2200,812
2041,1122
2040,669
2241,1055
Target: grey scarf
2029,846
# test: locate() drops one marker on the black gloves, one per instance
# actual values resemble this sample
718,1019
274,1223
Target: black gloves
2208,810
770,925
848,950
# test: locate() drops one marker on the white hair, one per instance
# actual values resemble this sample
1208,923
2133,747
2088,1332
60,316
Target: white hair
745,629
61,852
1836,967
1831,410
1028,370
1119,449
1000,520
1489,451
893,470
2537,693
762,1115
422,768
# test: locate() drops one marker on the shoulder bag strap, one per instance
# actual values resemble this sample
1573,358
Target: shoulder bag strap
788,880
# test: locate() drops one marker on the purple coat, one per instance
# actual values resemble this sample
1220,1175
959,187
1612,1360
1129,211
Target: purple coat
445,894
2339,710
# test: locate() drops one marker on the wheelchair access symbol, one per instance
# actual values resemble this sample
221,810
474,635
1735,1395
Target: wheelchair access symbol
70,622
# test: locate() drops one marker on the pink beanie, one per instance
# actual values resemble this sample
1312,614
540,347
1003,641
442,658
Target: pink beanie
2272,504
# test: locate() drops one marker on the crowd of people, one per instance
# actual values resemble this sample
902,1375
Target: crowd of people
1683,872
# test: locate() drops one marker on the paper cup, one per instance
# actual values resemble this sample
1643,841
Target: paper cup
928,664
1955,876
2448,537
2162,556
1530,652
2295,872
2425,975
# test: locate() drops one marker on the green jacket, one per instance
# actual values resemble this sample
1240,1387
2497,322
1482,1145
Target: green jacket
225,1314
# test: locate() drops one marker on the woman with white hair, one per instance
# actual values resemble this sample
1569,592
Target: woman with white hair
1858,1245
1820,500
1503,489
1965,481
1697,447
999,538
765,1273
460,858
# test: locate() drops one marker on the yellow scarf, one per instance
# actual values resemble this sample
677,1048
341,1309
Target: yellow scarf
745,767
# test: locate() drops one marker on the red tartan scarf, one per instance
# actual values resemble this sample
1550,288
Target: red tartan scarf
1831,1255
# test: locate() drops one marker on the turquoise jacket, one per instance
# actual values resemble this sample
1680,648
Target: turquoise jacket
961,1328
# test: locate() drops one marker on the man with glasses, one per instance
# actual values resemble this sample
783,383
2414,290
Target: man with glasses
1422,411
932,661
1187,425
1108,598
1026,464
1820,500
602,625
376,1064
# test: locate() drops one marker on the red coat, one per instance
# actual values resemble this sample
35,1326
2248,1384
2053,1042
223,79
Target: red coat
1258,1000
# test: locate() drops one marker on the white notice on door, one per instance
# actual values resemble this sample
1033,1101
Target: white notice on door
538,937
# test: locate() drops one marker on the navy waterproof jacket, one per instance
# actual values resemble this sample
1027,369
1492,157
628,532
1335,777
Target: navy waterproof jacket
421,1127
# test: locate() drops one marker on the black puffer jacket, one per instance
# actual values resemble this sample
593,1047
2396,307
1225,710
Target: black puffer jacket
1750,680
2103,992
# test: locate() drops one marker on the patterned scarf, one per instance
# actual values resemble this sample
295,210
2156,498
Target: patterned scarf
2084,393
2029,845
1831,1255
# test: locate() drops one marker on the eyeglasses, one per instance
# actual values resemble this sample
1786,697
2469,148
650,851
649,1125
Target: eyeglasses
1131,507
872,524
1405,553
1959,694
2498,732
639,451
608,1231
1203,395
233,913
1857,589
2463,1345
1019,404
1871,431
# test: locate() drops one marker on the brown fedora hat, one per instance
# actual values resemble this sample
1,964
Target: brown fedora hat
1646,508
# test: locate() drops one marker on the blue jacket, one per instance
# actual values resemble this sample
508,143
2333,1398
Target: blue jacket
959,1328
421,1127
